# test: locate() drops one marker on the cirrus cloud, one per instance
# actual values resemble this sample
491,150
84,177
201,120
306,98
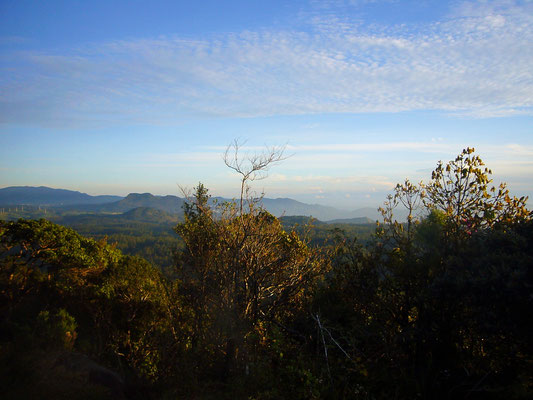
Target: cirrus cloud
476,62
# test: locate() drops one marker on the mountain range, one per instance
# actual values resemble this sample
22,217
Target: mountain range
73,200
45,196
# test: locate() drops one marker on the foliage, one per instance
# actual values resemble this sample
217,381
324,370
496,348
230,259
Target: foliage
433,307
461,189
62,291
57,327
237,272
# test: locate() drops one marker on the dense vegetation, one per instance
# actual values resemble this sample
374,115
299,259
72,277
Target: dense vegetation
437,307
149,233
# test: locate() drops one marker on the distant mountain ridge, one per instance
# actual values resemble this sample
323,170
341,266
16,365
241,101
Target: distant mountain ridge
45,196
169,204
67,199
286,206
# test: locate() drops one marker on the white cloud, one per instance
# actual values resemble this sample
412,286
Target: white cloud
184,158
429,147
327,182
515,149
478,62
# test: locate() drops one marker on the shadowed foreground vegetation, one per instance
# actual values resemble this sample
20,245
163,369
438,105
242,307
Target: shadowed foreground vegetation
437,307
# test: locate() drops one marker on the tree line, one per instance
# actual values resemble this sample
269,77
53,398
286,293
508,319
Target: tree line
434,307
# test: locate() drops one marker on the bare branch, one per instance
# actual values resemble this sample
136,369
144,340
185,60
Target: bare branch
251,167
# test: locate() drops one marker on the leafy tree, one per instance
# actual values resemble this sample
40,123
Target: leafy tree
461,189
237,272
432,308
240,273
61,291
58,327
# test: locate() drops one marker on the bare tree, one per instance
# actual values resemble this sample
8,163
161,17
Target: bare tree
251,167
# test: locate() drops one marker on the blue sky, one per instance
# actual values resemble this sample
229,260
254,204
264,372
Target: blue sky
112,97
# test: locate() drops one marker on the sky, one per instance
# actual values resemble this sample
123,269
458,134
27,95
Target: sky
113,97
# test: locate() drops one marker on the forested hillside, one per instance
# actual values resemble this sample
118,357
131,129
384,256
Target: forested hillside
148,232
253,307
47,202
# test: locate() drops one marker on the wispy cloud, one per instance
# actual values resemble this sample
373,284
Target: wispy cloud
515,150
429,147
325,181
184,158
476,62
